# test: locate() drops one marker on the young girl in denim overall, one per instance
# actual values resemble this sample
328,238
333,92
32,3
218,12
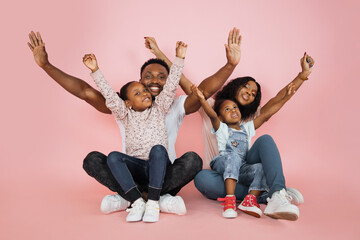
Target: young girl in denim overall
233,145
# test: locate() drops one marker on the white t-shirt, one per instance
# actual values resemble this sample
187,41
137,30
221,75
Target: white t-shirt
173,120
222,134
211,149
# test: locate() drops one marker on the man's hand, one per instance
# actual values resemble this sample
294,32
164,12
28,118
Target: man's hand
233,52
37,46
90,61
307,64
181,49
151,44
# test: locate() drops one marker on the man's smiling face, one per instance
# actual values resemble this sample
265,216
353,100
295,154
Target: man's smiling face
154,77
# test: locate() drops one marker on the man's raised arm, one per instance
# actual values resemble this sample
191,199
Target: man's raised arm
73,85
211,84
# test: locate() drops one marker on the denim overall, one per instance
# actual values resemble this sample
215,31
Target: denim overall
232,162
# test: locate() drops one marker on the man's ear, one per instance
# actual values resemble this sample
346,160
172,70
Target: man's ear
128,104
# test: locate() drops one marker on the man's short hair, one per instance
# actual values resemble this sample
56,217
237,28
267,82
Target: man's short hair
153,61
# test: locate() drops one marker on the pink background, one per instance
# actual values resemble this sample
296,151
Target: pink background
46,132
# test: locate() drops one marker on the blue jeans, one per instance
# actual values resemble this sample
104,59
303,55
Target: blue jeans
211,184
178,174
127,170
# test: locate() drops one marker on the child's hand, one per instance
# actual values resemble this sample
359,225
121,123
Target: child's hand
181,49
233,52
90,61
307,64
197,92
151,44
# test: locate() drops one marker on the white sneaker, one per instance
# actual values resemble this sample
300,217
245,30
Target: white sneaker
152,211
297,197
171,204
279,206
229,213
113,203
136,212
229,209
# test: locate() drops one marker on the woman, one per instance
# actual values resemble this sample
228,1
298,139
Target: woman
246,92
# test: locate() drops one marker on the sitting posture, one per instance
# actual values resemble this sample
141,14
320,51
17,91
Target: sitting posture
145,158
232,138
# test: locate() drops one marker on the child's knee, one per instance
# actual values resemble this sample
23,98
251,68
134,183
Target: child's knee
113,157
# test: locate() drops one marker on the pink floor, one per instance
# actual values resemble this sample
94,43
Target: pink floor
70,210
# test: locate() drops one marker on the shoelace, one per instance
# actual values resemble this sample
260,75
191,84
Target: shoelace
251,200
135,207
228,202
284,197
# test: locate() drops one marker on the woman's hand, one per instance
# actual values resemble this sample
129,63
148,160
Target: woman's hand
151,44
90,61
307,64
233,52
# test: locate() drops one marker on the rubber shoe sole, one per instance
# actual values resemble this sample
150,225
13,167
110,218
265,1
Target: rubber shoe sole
253,211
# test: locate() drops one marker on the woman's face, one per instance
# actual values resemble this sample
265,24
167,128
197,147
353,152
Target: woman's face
247,93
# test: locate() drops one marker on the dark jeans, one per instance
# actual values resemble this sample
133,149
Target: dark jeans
177,175
127,169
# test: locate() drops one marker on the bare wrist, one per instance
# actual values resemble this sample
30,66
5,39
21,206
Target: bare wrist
46,66
230,65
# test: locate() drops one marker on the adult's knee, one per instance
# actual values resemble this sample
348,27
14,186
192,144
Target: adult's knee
266,139
192,162
94,159
200,179
210,184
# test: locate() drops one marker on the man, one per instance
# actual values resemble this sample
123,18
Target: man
153,75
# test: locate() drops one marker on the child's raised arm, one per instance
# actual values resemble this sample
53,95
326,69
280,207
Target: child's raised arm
167,95
215,121
112,100
284,95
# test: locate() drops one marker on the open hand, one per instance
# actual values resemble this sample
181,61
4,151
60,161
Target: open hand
37,46
151,44
197,92
233,52
181,49
307,64
90,61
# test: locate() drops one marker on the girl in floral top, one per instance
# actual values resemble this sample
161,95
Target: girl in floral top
146,140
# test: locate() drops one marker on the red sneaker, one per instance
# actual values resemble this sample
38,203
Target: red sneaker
229,204
250,206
